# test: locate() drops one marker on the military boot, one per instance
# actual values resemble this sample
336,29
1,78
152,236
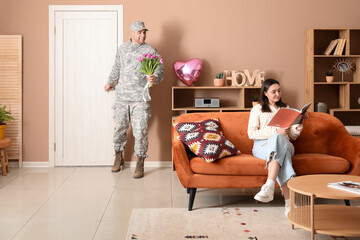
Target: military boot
119,161
139,170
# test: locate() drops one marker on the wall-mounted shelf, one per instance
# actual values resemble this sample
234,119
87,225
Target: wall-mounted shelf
231,98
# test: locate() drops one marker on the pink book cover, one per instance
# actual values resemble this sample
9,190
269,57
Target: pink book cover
285,117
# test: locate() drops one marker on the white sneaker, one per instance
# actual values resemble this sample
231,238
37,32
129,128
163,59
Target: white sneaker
287,210
265,195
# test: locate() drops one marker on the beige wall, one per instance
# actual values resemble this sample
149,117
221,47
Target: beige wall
229,34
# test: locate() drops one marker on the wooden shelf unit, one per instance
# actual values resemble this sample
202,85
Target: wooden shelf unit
231,98
11,90
340,96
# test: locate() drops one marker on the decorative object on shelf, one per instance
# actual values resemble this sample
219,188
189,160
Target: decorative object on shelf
235,78
344,66
5,116
322,107
188,71
255,99
219,80
329,76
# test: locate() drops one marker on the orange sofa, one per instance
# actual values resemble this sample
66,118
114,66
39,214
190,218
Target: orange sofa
324,146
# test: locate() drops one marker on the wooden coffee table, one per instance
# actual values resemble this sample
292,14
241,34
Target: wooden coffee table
337,220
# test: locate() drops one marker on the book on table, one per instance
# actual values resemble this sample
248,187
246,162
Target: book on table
349,186
285,117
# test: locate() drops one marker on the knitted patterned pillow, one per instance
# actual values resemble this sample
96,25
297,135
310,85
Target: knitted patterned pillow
205,139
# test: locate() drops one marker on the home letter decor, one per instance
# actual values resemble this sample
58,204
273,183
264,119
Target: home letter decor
232,78
260,78
243,79
251,79
228,77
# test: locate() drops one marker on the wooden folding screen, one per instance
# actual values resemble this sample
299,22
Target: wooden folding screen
11,90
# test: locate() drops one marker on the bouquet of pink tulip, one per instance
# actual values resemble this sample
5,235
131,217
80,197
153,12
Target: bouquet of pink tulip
149,63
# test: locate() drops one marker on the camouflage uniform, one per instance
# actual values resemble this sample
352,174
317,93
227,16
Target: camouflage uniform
129,104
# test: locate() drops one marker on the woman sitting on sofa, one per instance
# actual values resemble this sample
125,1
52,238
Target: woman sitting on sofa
272,143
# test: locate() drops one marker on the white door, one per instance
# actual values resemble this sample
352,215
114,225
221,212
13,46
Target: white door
85,44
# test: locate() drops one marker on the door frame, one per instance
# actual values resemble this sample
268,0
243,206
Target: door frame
68,8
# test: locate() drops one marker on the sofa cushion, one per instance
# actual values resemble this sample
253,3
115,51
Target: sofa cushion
243,164
205,139
248,165
316,163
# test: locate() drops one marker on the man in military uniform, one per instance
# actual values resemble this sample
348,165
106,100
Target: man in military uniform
129,105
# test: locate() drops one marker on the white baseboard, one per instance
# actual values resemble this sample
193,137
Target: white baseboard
127,164
150,164
36,164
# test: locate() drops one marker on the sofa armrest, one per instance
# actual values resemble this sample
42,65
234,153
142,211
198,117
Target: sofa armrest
181,160
346,146
324,133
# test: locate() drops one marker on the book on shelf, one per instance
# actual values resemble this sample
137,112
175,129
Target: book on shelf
349,186
340,47
285,117
337,48
331,46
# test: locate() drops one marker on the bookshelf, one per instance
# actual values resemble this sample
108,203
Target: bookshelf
341,96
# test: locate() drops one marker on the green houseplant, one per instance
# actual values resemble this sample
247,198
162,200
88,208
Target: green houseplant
219,80
255,99
329,75
5,116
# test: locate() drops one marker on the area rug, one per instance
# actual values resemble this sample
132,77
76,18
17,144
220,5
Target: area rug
260,223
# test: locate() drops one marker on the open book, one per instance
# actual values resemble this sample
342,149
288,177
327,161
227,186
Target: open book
349,186
285,117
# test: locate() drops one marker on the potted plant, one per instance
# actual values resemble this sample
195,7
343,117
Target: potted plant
219,80
255,99
5,116
329,76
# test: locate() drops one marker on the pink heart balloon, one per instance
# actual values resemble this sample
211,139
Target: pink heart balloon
189,71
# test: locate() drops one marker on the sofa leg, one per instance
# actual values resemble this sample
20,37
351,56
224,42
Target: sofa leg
192,192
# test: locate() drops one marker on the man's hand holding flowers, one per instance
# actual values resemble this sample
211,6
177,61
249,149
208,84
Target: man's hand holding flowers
150,79
149,63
